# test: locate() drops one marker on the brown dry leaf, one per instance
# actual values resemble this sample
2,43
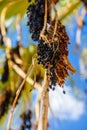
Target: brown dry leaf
69,66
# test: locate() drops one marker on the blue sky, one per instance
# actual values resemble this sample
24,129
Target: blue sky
80,124
79,82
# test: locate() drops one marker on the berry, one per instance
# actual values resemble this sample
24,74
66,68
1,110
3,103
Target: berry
64,92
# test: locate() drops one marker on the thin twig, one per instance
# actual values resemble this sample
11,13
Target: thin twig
37,110
3,14
34,80
56,20
18,27
45,21
16,97
7,40
20,72
43,119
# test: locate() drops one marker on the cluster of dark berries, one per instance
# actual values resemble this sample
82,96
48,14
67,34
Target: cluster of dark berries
85,2
5,74
45,52
52,49
35,13
4,101
47,56
26,120
52,54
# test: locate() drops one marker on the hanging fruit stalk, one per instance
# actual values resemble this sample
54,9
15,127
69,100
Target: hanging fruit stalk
52,50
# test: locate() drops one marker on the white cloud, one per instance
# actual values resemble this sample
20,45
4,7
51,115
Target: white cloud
66,106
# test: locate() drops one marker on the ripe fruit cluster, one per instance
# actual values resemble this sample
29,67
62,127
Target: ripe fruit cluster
52,54
35,13
52,49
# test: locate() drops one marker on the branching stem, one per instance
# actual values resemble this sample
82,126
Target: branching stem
43,119
45,21
56,20
16,98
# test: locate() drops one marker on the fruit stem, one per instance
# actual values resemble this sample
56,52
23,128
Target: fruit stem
43,119
56,20
45,21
